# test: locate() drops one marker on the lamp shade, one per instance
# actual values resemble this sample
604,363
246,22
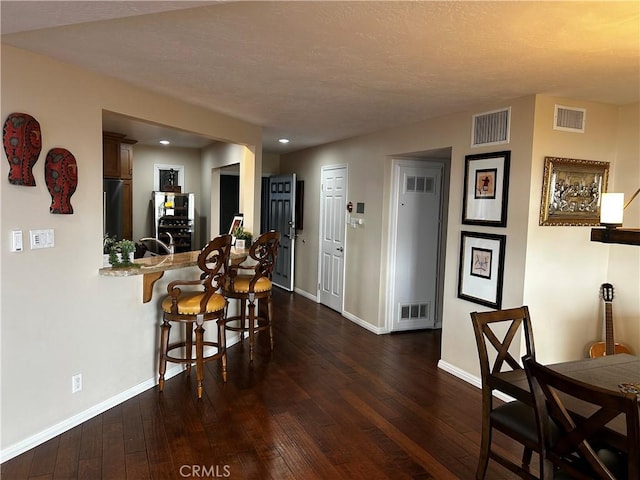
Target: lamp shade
611,209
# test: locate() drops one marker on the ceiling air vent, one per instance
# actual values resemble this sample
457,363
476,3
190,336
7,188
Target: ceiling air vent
569,119
491,128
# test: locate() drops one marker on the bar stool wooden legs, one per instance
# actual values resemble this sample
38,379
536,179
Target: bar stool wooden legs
248,321
194,309
253,290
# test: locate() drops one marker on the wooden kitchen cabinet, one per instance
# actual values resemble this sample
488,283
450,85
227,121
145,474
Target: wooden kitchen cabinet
126,160
117,155
117,164
110,157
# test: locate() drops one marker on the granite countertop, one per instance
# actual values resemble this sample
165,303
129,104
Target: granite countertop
153,268
161,263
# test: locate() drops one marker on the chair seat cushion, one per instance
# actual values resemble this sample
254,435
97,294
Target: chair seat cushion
241,284
518,417
189,303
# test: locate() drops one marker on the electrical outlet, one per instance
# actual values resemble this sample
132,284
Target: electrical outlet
76,383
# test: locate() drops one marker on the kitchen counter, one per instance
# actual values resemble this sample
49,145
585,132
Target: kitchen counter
153,268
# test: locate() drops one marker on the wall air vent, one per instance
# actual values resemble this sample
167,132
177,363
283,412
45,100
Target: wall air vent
491,128
569,119
419,184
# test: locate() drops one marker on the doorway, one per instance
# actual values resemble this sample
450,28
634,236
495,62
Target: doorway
282,218
332,236
229,201
415,240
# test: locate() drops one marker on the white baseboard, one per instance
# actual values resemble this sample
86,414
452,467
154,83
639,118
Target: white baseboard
59,428
363,324
71,422
308,295
472,379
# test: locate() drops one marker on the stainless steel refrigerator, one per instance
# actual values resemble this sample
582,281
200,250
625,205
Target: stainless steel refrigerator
174,215
113,207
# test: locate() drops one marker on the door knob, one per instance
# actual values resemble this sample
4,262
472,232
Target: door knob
340,249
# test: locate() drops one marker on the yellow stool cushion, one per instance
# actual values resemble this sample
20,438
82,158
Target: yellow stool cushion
189,303
241,284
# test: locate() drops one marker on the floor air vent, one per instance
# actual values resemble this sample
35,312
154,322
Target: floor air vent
569,119
491,128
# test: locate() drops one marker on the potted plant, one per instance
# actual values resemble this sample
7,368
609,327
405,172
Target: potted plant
121,254
243,237
108,241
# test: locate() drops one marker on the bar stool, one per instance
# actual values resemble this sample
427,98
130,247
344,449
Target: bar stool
251,287
197,307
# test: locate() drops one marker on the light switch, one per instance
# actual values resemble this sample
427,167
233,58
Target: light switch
41,238
16,240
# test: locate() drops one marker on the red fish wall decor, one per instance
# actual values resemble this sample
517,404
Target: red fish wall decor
61,175
22,141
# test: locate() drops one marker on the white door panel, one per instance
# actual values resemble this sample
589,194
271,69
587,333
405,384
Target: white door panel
416,240
332,221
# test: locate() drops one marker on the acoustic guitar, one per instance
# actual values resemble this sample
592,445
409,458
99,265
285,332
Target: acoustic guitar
608,347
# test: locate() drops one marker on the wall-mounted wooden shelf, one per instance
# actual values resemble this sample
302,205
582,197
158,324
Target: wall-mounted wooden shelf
624,236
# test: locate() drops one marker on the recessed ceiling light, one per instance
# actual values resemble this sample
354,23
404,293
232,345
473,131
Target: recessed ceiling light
165,142
284,140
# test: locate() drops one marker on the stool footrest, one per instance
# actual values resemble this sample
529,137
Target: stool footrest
206,358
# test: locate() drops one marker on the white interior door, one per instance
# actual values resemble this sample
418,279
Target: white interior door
332,233
415,245
282,211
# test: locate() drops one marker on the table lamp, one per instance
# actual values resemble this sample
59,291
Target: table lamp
612,208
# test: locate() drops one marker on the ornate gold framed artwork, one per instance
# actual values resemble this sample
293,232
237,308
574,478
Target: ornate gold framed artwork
572,190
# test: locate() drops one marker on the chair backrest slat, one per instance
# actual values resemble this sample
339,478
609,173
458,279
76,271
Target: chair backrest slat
488,328
265,252
213,259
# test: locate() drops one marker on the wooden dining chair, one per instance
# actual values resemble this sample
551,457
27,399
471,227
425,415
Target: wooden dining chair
194,307
573,446
495,333
250,282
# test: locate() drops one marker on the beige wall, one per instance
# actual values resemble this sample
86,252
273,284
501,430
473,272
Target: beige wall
624,260
223,155
144,159
565,311
564,268
59,317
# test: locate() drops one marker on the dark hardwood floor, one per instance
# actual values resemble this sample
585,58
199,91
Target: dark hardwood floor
333,401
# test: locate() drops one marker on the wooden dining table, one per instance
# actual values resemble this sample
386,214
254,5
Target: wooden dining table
609,372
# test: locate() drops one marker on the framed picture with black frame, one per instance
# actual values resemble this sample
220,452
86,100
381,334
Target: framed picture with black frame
481,272
486,189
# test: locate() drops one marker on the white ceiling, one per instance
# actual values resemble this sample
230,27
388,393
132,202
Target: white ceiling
322,71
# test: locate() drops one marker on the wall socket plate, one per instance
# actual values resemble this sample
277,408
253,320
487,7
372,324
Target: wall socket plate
76,383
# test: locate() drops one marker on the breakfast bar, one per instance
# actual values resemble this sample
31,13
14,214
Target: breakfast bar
152,268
